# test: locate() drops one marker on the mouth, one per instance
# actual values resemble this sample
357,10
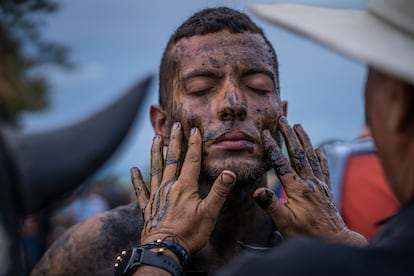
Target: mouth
233,141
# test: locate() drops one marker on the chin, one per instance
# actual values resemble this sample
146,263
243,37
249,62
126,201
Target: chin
246,170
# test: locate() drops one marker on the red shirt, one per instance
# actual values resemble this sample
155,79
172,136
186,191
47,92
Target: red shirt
366,197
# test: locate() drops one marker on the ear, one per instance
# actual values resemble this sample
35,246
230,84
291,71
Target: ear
284,107
160,123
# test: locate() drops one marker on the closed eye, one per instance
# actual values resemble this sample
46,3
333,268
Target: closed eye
259,91
200,85
201,92
258,83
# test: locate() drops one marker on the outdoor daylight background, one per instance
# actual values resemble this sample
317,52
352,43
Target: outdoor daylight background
116,43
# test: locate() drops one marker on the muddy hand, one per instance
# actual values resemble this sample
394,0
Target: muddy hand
174,209
309,209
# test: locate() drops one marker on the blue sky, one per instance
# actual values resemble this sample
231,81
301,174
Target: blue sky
115,43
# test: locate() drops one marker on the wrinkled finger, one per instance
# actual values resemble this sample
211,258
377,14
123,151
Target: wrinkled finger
221,188
309,151
324,166
192,162
173,153
156,163
277,209
296,153
141,191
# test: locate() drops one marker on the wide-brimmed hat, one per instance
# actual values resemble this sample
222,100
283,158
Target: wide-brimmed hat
381,36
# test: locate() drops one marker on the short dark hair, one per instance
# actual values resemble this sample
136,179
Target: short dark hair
206,21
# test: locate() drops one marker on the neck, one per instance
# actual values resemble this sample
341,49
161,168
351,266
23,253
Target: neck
240,220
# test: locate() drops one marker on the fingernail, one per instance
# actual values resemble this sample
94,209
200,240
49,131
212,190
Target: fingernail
176,125
282,119
266,133
227,178
263,198
297,126
193,131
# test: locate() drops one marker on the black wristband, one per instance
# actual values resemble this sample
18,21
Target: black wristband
177,249
129,260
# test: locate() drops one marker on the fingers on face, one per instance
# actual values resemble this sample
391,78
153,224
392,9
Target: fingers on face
324,166
141,191
167,176
173,153
156,163
192,162
219,191
279,163
264,197
296,152
310,153
267,200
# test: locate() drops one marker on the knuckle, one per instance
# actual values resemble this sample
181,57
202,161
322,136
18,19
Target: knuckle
193,157
155,171
220,191
299,154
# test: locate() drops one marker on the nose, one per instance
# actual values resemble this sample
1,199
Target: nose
233,106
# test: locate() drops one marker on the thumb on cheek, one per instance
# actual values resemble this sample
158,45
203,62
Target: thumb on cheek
263,197
228,177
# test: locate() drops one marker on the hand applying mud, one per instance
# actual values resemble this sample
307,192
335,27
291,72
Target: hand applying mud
173,209
310,209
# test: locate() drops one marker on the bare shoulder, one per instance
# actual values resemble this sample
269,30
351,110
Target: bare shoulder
90,247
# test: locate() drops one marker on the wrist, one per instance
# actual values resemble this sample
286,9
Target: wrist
144,258
168,253
164,254
171,247
168,243
356,239
351,238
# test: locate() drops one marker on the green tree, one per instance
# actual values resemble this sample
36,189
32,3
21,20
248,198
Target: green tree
22,50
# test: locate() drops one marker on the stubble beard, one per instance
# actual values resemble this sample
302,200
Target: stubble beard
248,173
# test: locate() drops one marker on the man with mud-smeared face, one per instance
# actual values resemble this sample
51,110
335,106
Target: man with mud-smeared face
219,115
226,86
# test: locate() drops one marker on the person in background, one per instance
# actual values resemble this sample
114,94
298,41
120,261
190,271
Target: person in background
358,183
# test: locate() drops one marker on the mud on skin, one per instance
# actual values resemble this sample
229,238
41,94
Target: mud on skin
106,237
264,198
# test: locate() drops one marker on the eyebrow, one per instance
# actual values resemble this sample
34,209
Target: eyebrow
212,74
254,71
200,73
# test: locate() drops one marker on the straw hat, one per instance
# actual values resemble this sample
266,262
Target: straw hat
381,36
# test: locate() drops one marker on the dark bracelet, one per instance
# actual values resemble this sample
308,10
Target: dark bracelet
177,249
130,260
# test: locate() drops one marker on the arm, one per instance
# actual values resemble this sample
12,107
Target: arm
174,210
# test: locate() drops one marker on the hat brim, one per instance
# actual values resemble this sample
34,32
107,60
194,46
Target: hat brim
358,34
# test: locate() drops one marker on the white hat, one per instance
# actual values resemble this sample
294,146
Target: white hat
381,36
